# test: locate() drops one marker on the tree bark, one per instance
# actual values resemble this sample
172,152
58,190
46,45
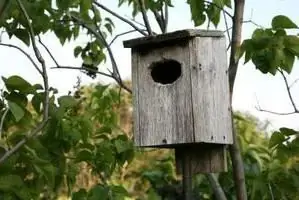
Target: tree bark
237,162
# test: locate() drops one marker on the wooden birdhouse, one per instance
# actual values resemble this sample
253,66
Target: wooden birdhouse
181,96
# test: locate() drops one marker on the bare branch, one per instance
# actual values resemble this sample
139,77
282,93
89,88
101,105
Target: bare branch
23,141
144,16
45,119
39,58
119,17
292,84
166,16
217,189
48,50
259,108
2,121
25,53
121,34
288,90
217,6
235,153
83,68
227,31
99,35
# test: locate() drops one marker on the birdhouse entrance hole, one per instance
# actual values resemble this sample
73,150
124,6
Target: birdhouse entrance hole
166,71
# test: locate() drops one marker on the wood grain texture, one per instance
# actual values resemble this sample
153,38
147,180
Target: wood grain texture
165,111
203,158
135,82
210,91
171,36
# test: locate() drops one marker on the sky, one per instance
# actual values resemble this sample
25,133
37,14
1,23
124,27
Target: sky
252,88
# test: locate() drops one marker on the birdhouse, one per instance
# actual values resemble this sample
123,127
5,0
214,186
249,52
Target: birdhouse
181,96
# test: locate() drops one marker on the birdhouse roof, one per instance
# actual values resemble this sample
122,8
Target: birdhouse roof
171,37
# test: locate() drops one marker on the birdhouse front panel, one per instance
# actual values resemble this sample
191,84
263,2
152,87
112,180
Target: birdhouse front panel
162,96
180,89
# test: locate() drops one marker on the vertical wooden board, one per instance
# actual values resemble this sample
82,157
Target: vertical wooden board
210,91
165,111
135,83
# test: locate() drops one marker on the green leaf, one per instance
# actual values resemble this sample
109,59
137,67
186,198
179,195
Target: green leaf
277,138
121,145
288,132
17,83
17,111
98,191
77,51
80,195
84,155
67,101
109,28
282,22
23,35
119,192
197,11
37,101
288,61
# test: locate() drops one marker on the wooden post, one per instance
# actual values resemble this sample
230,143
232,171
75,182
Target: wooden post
187,178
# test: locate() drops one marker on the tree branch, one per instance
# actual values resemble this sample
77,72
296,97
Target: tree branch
25,53
99,35
119,17
288,90
144,16
217,189
2,121
44,121
121,34
217,6
48,51
83,68
237,162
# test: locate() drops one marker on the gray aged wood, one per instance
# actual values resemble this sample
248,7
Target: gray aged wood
164,111
172,36
203,158
210,91
193,109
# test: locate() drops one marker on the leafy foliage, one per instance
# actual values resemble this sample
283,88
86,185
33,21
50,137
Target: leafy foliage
272,49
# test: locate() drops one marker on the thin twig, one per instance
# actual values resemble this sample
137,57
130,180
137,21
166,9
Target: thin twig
39,58
292,84
226,26
288,90
99,35
45,119
217,189
217,6
82,68
119,17
271,191
144,16
259,108
25,53
2,121
23,141
121,34
166,16
48,50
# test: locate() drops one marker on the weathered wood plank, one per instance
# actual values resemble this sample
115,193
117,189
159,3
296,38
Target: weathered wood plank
135,94
203,158
210,91
165,111
171,36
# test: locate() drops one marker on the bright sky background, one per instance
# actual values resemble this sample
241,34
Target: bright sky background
251,85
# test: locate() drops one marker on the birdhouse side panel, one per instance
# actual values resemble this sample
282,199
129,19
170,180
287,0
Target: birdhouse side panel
210,91
165,109
134,76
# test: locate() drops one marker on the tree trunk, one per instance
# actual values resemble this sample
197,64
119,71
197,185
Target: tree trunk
237,162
